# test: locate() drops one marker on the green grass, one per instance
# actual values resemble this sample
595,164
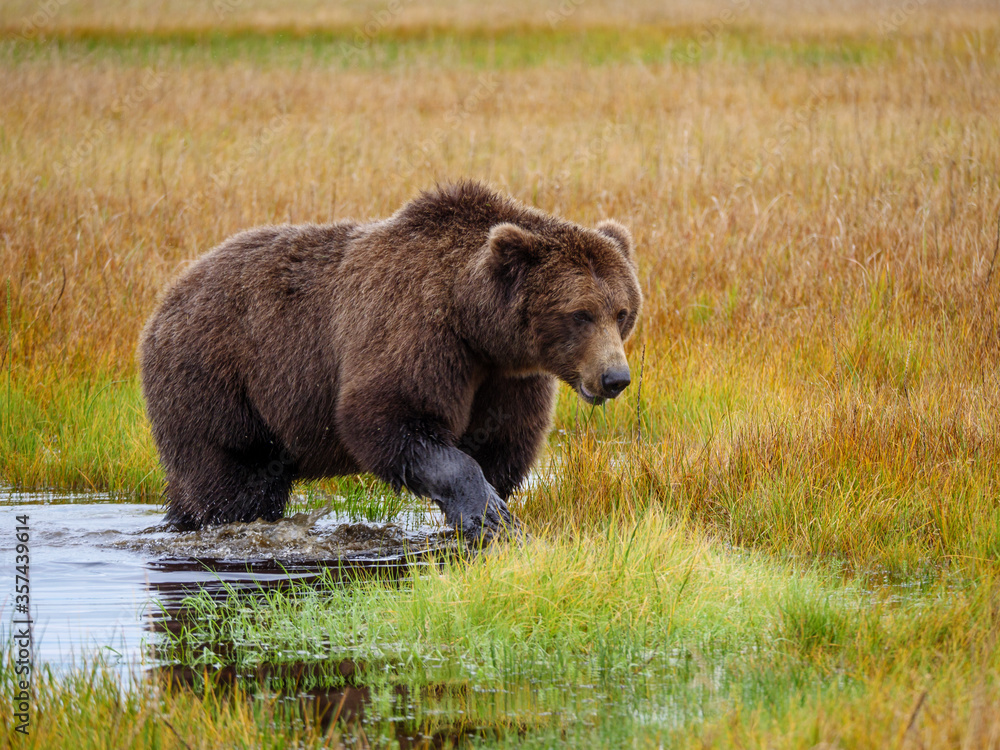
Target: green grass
80,434
469,48
637,634
863,483
868,484
641,634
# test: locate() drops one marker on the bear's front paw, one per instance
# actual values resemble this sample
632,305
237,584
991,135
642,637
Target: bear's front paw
495,523
498,523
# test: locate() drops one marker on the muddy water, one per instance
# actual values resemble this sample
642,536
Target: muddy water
104,576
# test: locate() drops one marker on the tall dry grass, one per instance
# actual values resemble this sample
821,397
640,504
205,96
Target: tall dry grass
816,223
372,17
838,218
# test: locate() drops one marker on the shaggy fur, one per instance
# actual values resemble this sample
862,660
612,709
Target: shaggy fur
422,348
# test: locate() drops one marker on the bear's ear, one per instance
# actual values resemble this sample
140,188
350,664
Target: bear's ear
510,244
619,235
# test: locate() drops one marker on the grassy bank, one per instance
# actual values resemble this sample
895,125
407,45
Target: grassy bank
870,485
641,635
81,434
785,533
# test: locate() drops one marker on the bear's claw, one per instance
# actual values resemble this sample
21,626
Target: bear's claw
496,523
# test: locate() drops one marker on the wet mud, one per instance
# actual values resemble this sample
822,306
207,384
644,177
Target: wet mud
319,536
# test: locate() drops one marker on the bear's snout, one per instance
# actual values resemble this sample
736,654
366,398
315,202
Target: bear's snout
609,383
614,381
603,371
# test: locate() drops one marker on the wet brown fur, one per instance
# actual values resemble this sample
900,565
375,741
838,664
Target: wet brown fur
308,351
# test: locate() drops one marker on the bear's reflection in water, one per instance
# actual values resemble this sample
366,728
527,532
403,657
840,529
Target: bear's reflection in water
349,708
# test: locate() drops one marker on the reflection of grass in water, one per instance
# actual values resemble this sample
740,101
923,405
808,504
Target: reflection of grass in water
90,709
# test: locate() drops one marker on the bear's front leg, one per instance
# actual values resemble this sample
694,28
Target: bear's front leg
404,437
454,481
509,422
416,452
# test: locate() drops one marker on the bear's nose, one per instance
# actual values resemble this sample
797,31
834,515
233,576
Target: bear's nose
615,380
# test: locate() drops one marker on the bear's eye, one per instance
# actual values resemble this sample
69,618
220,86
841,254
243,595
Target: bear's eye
622,317
582,316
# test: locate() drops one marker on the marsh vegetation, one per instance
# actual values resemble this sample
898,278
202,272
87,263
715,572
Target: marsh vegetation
787,535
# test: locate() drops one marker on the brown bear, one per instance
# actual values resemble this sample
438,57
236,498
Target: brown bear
423,348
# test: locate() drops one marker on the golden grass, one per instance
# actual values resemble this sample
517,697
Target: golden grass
836,220
816,238
33,18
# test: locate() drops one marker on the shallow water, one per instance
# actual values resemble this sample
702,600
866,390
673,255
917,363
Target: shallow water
104,575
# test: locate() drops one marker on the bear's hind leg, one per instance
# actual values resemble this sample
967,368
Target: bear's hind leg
222,486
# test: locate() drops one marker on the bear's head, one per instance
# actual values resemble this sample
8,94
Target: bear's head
575,290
